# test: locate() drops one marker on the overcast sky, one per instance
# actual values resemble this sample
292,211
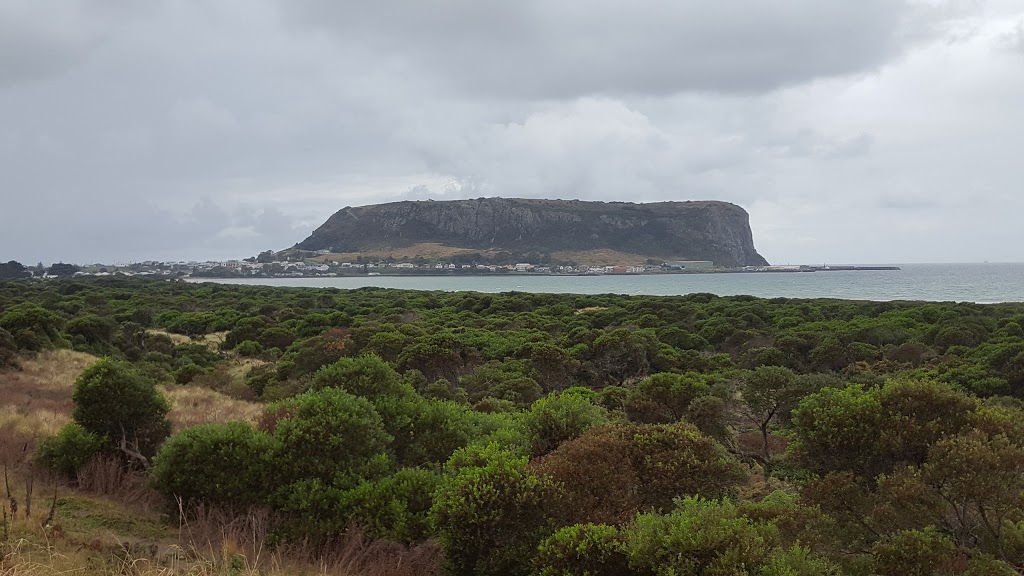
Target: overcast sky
867,131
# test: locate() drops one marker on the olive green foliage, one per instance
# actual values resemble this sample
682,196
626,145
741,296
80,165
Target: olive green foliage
582,550
432,431
93,330
32,326
611,473
490,518
868,432
511,380
415,415
913,553
664,398
187,373
396,507
71,449
309,355
392,506
560,417
700,537
324,433
8,350
223,464
797,561
367,376
116,404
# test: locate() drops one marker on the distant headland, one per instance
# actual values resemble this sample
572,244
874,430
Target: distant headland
541,232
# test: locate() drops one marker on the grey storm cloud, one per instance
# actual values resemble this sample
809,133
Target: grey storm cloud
571,48
867,131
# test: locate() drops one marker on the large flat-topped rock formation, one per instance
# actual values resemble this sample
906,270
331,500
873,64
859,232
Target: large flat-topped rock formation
707,230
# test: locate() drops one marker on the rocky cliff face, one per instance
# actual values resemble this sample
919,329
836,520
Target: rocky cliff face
716,231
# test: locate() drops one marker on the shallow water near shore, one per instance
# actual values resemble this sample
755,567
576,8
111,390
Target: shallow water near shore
983,283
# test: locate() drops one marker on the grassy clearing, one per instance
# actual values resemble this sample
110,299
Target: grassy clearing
36,401
192,406
175,338
428,250
600,257
433,251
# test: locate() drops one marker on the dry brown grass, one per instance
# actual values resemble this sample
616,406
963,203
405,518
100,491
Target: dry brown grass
212,340
600,257
92,536
175,338
193,405
428,250
434,251
36,401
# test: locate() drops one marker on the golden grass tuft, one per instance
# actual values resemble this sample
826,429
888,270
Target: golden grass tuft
193,405
36,401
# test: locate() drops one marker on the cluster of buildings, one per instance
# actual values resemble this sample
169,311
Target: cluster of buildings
314,268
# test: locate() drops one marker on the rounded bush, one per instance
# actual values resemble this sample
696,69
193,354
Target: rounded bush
561,417
115,403
367,376
491,518
249,348
71,449
187,373
324,433
226,464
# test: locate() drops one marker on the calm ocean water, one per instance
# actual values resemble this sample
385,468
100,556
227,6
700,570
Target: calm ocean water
985,283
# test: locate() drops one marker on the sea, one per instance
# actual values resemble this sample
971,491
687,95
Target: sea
981,283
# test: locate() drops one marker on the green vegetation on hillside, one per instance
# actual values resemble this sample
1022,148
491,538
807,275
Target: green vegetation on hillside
554,434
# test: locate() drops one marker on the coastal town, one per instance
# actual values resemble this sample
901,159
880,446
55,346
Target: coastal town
305,267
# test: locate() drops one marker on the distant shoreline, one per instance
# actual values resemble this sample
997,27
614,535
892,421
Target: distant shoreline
456,273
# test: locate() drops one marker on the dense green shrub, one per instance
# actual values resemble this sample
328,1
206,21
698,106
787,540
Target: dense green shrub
307,356
324,433
872,431
664,398
431,431
582,550
32,325
396,507
71,449
187,373
610,473
913,553
222,464
8,350
94,329
797,561
367,376
116,404
248,348
560,417
701,537
490,518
